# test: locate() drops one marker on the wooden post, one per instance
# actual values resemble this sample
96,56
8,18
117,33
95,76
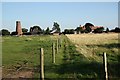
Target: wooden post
60,43
42,63
53,53
57,46
105,65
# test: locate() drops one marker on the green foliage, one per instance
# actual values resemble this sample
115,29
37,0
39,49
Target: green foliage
99,30
69,31
56,26
24,30
14,33
47,31
5,32
36,30
117,30
107,30
79,29
88,27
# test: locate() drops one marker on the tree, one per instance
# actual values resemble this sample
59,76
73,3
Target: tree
24,30
13,33
79,29
99,30
47,31
56,27
5,32
88,27
36,30
69,31
117,30
107,30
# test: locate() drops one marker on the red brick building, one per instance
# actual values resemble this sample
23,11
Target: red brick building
92,27
18,28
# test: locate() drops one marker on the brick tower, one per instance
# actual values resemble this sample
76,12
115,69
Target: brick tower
18,28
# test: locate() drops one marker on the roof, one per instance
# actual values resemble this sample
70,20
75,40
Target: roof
54,31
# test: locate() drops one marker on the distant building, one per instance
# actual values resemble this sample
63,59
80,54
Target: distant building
92,27
75,32
54,32
18,28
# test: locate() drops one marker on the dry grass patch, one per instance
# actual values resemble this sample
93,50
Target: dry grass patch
92,45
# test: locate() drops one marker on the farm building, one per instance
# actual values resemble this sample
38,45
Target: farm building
91,26
54,32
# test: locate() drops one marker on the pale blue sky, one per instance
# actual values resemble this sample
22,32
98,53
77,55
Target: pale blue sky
59,0
67,14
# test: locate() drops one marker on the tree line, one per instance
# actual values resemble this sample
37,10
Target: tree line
87,28
36,30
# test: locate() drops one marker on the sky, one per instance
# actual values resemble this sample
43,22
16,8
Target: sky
59,0
66,14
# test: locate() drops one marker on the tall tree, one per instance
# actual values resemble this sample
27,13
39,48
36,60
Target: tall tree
56,27
88,27
36,30
107,30
47,31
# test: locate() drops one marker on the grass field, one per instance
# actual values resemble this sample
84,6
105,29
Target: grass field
93,45
25,52
79,56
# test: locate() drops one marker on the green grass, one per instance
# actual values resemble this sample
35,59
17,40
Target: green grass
70,63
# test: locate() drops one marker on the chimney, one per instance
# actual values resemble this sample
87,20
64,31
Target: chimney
18,28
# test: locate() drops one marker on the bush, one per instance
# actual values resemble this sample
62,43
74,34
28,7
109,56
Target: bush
69,31
99,30
5,32
13,33
117,30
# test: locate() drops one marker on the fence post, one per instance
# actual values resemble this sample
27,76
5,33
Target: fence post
42,63
57,46
53,53
60,42
105,66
